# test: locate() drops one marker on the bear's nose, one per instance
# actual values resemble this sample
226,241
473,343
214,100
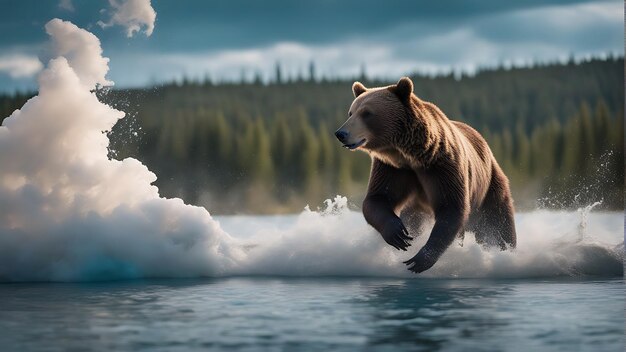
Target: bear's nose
341,135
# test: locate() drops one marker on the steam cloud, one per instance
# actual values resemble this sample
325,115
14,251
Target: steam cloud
132,14
67,212
82,51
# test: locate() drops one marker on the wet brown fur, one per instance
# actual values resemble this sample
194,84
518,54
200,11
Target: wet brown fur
424,162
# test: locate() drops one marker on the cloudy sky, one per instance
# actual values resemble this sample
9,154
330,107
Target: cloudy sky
228,39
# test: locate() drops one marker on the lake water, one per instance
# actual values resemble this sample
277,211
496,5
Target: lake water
278,314
326,281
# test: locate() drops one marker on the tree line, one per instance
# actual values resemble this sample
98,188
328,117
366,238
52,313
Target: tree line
254,147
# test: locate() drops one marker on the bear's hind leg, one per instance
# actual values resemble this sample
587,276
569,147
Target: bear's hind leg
494,223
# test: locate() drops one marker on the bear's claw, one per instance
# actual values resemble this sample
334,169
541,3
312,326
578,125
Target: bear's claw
420,262
397,235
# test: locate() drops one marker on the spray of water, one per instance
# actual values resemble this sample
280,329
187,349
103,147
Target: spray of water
337,241
584,219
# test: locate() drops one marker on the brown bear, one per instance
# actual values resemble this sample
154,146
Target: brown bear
422,162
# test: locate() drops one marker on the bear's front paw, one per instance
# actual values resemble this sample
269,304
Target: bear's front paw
421,262
396,234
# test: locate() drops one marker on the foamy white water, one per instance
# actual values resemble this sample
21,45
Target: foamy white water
340,243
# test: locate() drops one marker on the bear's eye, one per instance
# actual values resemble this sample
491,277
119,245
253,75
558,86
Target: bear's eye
367,114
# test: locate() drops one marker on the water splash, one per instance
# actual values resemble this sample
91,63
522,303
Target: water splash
582,191
584,216
335,241
334,206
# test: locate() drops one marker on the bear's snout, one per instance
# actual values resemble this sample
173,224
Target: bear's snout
344,137
341,136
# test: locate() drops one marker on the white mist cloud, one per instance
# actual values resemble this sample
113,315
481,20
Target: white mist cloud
19,66
67,212
81,49
132,14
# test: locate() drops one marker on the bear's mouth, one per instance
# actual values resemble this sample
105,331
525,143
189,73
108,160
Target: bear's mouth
355,145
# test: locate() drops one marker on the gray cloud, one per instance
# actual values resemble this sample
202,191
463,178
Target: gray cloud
218,38
66,5
20,66
521,36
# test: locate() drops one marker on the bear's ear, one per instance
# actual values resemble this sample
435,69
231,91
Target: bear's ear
358,88
404,88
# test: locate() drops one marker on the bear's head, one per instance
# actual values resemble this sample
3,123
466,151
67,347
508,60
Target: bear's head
377,116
